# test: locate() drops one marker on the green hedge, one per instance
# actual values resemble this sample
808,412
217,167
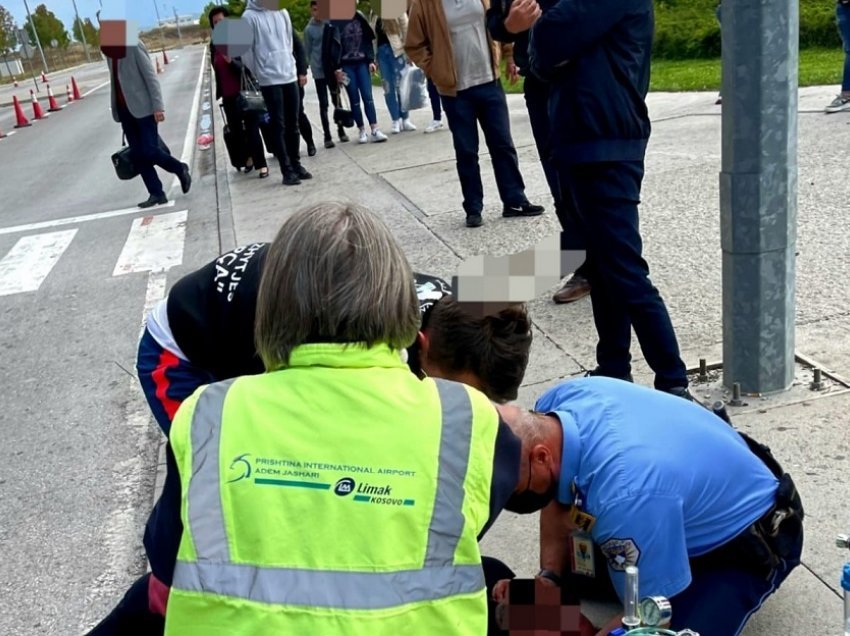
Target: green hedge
687,29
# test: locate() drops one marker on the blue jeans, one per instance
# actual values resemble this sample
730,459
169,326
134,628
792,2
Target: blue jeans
843,14
391,66
484,105
360,85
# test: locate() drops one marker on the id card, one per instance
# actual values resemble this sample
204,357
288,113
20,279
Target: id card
581,554
582,521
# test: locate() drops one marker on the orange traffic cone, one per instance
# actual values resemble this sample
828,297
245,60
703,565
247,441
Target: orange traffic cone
52,105
77,95
68,95
164,57
37,113
15,79
158,67
43,78
22,121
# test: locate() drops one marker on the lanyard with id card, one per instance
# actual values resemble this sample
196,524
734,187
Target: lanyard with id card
582,560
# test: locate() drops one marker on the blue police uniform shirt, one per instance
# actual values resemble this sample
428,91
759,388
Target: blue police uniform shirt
665,478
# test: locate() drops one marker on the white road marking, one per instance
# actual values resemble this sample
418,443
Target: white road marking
73,220
96,88
9,134
29,262
155,244
189,141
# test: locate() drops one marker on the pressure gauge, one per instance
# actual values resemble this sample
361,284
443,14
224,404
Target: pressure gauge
655,611
688,632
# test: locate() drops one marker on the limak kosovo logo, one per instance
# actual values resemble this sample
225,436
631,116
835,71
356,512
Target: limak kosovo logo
240,462
344,486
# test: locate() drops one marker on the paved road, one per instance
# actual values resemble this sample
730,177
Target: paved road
79,453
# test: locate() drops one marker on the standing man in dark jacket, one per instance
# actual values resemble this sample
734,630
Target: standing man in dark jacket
509,21
596,54
138,105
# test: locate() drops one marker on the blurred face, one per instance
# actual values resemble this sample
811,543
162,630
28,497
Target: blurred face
218,17
314,11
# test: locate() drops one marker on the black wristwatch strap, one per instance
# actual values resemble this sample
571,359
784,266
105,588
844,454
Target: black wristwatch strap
549,574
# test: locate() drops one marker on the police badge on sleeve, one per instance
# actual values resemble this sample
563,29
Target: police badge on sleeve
620,553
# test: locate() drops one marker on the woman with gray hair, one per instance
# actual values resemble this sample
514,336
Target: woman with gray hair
337,434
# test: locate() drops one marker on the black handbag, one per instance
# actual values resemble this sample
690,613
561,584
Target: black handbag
343,116
250,97
124,163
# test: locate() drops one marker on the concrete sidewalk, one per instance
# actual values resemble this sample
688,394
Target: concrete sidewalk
411,182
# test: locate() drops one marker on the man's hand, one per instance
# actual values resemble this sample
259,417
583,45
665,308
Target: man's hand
512,72
159,116
302,80
522,16
372,68
500,591
340,76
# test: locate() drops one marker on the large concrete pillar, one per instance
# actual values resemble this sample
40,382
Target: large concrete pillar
758,192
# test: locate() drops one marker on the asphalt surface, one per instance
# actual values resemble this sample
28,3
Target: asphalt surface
79,450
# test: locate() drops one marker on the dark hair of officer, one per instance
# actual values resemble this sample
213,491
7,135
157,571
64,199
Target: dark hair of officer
216,11
494,348
334,274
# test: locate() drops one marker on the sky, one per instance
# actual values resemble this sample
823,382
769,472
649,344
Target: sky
142,11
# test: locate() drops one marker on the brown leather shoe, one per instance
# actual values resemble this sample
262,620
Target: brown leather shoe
574,289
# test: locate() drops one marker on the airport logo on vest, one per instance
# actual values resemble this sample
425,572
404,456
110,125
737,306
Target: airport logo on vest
344,486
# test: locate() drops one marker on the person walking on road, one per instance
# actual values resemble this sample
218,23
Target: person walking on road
228,83
842,15
137,104
596,56
450,43
314,37
510,21
390,36
354,68
272,61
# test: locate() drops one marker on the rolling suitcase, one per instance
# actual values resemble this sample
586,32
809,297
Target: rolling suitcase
266,134
235,148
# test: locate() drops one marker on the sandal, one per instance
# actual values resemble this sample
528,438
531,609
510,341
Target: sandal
264,172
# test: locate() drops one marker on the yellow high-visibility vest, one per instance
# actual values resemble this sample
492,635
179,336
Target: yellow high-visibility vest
341,495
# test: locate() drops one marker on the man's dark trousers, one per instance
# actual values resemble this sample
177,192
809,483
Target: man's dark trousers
484,104
143,139
603,199
536,94
304,126
284,104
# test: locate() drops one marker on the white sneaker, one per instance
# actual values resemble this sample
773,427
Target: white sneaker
378,136
838,104
434,126
364,138
408,125
396,128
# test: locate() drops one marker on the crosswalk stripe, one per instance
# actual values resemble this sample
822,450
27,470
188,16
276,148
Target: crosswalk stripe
30,260
155,243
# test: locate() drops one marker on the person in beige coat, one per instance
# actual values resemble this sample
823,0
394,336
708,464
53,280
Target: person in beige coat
391,60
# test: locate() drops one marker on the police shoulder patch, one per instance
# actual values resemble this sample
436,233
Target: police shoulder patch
620,553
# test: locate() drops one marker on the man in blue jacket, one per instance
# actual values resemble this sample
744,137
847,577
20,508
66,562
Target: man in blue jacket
596,54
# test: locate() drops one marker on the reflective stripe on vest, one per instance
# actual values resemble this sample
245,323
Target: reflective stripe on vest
214,573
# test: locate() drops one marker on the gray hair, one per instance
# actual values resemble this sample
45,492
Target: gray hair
334,273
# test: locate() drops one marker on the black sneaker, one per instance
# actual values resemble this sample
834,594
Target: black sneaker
473,220
343,137
526,209
311,150
154,200
682,392
302,173
597,372
329,143
290,178
185,179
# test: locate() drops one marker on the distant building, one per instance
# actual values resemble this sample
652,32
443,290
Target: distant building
182,20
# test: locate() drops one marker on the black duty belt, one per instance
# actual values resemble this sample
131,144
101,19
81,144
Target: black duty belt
776,534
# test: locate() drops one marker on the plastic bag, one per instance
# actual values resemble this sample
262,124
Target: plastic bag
413,88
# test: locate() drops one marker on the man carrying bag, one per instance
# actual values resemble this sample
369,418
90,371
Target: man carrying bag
138,106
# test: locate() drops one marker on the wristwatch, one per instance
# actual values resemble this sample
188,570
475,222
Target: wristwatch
549,574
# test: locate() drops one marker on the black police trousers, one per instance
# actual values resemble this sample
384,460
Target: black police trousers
603,198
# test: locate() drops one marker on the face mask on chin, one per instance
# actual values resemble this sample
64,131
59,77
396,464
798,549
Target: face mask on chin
528,501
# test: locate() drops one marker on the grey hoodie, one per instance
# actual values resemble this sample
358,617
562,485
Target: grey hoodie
270,59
